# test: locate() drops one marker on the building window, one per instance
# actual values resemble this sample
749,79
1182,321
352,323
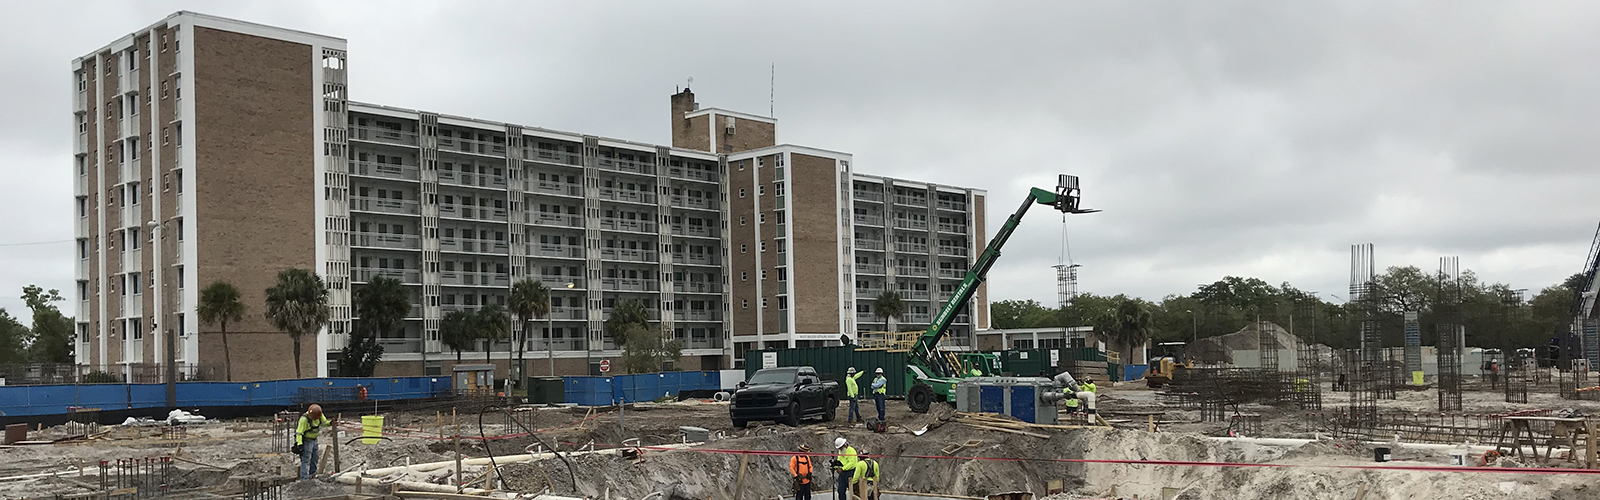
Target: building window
134,284
742,248
780,217
783,274
746,303
761,190
783,302
164,89
763,246
83,207
83,249
133,192
133,103
777,188
133,237
761,217
741,220
763,302
133,146
741,190
744,276
180,277
763,274
177,225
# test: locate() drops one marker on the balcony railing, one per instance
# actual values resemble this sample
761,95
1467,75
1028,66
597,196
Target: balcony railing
695,259
911,224
627,195
400,345
629,285
870,220
911,247
910,271
385,205
959,206
380,134
472,212
365,274
386,170
82,186
953,251
915,318
628,255
83,269
621,165
566,313
696,287
952,273
700,315
464,145
913,294
650,314
555,188
862,317
454,178
868,293
462,278
382,240
694,202
540,250
635,225
83,227
869,269
472,245
693,173
554,219
869,245
953,228
552,156
692,230
914,201
560,282
868,196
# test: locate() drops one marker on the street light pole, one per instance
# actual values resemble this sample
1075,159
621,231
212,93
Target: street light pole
1195,323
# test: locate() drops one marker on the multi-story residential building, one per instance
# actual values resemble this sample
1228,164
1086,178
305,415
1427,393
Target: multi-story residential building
210,150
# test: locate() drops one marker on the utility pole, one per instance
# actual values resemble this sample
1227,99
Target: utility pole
1195,324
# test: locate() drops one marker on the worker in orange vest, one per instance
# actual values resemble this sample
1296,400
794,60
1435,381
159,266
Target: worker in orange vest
800,470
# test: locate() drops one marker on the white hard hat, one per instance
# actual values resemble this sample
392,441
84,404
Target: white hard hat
851,370
838,443
880,370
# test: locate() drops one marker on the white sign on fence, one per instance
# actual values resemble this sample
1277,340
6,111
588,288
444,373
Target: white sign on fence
769,360
1055,357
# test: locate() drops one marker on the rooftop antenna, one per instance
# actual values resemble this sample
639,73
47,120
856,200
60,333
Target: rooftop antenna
690,84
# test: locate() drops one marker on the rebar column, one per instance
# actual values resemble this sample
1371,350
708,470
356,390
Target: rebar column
1448,310
1368,367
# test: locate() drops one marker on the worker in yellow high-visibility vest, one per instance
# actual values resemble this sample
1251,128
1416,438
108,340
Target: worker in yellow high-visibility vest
880,391
852,390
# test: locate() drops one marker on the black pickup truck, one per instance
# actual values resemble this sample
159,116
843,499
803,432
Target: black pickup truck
786,395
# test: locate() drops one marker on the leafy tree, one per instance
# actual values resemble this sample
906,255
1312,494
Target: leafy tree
14,339
530,300
298,305
52,331
380,307
220,305
1021,314
623,314
456,332
1128,324
889,307
647,350
492,324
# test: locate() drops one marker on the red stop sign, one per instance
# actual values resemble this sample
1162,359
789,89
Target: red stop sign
605,365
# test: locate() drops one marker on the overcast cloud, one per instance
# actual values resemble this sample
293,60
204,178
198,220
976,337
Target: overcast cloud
1221,138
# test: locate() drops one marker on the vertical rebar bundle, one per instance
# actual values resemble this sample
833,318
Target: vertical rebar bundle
1308,379
1266,346
1516,378
1448,312
1367,378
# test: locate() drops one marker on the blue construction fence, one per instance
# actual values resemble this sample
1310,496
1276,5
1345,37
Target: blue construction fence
604,391
56,399
1134,372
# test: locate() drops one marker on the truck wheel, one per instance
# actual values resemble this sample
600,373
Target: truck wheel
828,412
919,397
740,424
792,418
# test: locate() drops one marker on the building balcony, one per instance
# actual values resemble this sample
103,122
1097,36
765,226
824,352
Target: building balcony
471,245
383,240
566,313
650,314
83,269
473,212
953,228
129,126
869,220
628,255
561,251
461,278
696,259
871,196
953,251
472,146
131,171
82,144
862,317
365,274
454,178
952,273
554,219
634,225
697,231
133,305
920,225
81,103
627,196
391,346
559,282
915,318
385,205
177,254
696,287
383,135
911,248
385,170
869,269
694,202
868,293
84,227
450,308
874,245
630,166
553,188
629,285
911,271
957,206
913,294
81,187
699,315
552,156
133,260
912,201
693,174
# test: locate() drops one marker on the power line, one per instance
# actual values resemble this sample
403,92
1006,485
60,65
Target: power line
36,244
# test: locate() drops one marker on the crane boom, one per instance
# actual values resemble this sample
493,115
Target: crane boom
1064,199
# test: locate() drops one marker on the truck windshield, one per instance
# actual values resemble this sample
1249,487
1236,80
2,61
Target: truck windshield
773,377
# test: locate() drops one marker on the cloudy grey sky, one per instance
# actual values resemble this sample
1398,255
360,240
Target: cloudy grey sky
1221,138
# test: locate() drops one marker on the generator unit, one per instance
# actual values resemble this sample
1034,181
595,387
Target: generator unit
1030,399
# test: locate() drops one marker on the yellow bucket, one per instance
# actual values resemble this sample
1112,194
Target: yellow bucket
371,429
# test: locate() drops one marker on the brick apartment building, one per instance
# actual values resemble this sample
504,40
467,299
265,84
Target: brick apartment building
212,149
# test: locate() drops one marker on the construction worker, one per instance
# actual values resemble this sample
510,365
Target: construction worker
845,465
800,470
852,390
880,391
1088,385
1072,389
865,480
305,439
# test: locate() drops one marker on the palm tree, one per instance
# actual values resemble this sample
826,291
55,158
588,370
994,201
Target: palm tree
298,304
455,331
492,324
530,300
1128,324
382,305
889,307
623,314
219,305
